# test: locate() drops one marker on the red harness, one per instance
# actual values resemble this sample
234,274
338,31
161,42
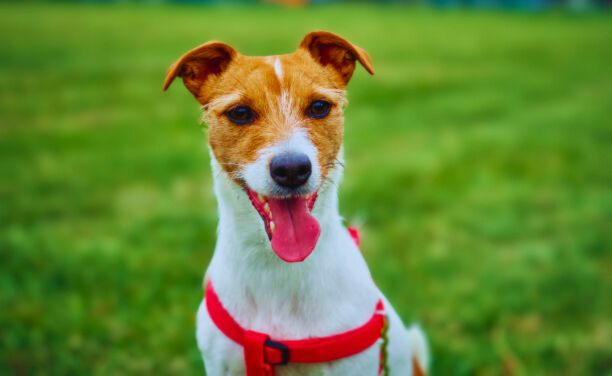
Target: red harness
261,353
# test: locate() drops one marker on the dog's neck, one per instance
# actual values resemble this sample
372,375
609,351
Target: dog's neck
252,280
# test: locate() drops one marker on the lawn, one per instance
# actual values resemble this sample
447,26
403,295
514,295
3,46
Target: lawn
477,161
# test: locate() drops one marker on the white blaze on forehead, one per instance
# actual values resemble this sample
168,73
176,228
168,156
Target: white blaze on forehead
278,69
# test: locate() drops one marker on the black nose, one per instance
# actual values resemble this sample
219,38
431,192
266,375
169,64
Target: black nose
290,170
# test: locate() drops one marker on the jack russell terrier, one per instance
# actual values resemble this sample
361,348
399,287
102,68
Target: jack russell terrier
287,291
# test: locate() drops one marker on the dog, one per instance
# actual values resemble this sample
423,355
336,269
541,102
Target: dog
287,290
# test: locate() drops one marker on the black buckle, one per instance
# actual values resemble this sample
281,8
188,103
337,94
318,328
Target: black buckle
282,348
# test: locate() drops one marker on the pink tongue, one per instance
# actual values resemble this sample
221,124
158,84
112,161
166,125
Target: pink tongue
296,231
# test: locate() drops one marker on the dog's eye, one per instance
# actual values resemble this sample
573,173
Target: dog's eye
240,115
318,109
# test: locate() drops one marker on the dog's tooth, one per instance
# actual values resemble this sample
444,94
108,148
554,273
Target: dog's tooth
272,226
267,208
260,197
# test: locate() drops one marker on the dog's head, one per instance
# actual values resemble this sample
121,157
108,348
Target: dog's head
275,126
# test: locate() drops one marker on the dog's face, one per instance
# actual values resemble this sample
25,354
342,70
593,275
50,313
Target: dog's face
275,126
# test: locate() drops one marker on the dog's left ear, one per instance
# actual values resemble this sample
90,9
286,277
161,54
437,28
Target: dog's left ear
330,49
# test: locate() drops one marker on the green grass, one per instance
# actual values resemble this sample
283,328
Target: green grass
478,158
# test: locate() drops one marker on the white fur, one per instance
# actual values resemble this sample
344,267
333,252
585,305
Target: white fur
278,69
330,292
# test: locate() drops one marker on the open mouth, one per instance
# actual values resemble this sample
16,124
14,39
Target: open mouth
292,229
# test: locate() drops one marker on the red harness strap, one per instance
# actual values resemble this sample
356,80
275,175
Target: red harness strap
261,353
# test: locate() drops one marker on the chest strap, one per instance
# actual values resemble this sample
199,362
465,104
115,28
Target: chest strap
262,353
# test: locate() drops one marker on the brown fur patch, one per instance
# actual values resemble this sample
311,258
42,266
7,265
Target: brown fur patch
417,370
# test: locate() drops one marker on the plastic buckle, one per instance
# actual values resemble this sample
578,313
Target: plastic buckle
284,349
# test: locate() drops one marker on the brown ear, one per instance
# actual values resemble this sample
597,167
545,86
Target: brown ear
328,48
198,64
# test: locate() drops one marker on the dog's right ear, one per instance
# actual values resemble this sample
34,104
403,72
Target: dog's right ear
197,65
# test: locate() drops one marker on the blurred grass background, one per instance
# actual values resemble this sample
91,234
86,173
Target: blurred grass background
478,157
